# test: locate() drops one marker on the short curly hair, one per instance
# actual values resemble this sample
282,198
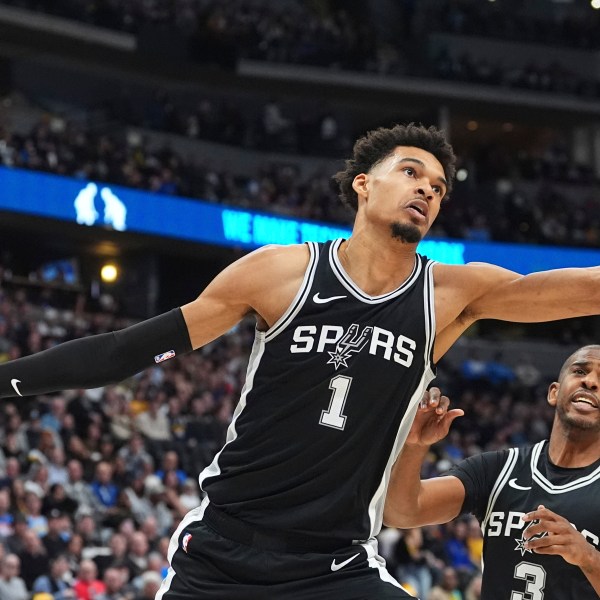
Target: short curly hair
378,144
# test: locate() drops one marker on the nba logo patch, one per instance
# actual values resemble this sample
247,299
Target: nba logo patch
164,356
185,541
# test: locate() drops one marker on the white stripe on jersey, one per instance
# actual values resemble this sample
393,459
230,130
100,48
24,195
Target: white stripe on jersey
507,469
377,562
377,503
557,489
301,295
194,515
346,281
258,349
429,299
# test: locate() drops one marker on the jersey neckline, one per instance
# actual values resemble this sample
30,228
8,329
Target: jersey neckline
348,283
589,474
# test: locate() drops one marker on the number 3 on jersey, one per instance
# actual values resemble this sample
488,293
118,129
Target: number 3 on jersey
535,578
333,416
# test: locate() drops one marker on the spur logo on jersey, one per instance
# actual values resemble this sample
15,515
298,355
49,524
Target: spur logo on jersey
342,344
351,343
508,523
524,537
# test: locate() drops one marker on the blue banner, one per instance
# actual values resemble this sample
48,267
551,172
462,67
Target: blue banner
93,204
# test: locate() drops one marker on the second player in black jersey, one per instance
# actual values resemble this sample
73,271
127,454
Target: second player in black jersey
538,506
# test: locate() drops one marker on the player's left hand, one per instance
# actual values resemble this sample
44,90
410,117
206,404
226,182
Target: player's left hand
561,539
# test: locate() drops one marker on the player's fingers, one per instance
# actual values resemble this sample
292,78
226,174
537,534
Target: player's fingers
549,544
453,414
435,396
541,512
443,405
424,400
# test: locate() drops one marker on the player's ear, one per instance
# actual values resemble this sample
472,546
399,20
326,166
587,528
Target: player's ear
360,185
553,393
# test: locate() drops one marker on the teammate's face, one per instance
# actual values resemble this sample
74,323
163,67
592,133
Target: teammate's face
403,192
577,394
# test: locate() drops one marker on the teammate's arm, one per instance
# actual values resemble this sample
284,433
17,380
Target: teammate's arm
111,357
410,501
563,540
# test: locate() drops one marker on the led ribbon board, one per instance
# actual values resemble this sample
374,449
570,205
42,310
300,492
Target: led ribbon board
94,204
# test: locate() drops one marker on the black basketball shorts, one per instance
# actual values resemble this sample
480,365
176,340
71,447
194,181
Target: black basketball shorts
207,565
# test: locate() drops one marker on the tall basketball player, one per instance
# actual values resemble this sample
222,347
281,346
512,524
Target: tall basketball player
347,335
538,506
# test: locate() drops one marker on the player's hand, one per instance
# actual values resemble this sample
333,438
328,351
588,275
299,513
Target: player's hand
433,419
559,537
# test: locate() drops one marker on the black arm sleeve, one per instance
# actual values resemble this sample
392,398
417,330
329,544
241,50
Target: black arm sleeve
478,474
97,360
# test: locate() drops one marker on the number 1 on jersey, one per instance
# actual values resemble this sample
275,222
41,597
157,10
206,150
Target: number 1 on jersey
333,417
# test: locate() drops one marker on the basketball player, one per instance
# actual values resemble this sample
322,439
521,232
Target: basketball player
347,334
538,506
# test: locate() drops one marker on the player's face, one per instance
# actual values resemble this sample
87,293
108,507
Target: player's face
577,395
403,192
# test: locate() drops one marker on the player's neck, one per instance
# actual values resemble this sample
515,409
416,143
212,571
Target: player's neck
572,449
376,266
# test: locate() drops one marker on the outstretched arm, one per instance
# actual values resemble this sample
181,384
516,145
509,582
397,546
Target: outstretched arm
467,293
108,358
563,540
97,360
410,501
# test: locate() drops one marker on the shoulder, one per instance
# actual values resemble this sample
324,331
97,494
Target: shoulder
280,257
273,265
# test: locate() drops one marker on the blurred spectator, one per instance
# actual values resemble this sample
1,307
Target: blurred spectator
473,591
170,463
15,543
137,460
190,496
475,542
12,587
34,558
77,488
413,561
57,499
57,471
103,487
137,554
149,585
447,588
36,521
58,582
56,540
116,586
87,586
6,516
12,472
457,549
153,423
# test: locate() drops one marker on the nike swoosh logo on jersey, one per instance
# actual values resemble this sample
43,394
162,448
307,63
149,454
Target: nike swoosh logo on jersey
14,382
513,484
318,300
337,566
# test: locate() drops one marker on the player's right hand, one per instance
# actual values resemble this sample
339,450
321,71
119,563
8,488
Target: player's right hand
433,419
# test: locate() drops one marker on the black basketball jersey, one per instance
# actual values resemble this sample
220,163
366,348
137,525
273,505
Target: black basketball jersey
330,394
501,487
